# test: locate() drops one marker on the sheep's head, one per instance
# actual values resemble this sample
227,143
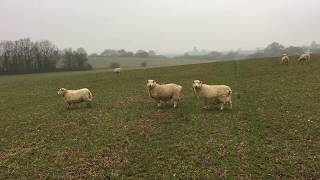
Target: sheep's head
61,91
197,84
151,83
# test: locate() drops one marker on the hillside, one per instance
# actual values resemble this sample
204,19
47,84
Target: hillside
272,131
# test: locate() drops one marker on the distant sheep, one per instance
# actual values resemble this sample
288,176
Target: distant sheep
220,93
117,70
164,92
285,59
305,57
76,96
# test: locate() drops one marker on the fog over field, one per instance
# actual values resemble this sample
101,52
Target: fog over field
167,26
159,89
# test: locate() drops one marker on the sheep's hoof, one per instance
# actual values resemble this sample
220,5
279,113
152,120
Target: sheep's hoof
175,105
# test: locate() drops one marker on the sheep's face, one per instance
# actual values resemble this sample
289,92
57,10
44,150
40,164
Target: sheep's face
151,83
196,84
61,91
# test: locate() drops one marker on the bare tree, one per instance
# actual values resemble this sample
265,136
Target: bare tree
75,60
25,56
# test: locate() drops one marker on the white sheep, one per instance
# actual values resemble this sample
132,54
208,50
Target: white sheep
117,70
164,92
76,96
285,59
220,93
304,57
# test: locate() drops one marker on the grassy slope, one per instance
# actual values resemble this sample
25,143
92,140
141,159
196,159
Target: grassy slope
129,63
273,130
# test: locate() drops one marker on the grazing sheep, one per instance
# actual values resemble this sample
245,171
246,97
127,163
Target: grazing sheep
220,93
76,96
304,57
164,92
117,70
285,59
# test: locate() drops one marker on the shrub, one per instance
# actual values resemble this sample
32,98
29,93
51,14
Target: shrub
144,64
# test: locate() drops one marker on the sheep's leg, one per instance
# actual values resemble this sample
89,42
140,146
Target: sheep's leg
221,106
68,105
206,104
224,101
175,100
229,102
175,103
159,103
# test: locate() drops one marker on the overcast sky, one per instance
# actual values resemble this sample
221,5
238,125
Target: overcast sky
167,26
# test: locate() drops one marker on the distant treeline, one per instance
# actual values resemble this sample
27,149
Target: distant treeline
26,56
272,50
276,49
216,55
124,53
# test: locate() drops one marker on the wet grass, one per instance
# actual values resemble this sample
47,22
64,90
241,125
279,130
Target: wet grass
272,132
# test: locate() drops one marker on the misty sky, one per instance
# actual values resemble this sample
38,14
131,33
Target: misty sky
167,26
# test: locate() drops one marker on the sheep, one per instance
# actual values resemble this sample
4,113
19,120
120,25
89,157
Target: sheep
285,59
76,96
164,92
304,57
117,70
220,93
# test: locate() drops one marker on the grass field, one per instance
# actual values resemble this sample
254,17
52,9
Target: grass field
272,132
133,63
